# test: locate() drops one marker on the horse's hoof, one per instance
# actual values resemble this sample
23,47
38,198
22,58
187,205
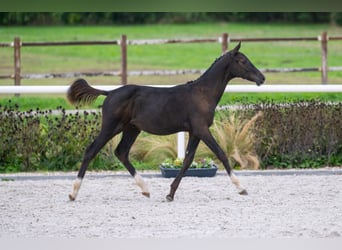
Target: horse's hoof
169,198
146,194
243,192
71,198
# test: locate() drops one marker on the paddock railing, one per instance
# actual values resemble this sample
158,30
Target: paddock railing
239,88
224,40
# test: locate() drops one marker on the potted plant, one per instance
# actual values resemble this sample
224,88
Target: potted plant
203,168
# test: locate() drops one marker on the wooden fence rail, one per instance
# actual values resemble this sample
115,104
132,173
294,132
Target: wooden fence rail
224,40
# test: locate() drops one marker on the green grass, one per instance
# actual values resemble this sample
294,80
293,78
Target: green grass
73,33
58,59
27,102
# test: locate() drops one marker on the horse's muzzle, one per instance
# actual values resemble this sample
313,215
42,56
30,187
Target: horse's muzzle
260,80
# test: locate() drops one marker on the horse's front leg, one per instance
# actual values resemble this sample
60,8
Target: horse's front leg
213,145
189,156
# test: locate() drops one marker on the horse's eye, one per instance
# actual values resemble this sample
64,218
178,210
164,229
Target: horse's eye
243,62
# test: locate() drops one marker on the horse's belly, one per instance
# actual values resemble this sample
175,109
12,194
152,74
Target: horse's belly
160,126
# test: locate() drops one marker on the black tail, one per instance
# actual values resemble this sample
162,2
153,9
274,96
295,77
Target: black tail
80,92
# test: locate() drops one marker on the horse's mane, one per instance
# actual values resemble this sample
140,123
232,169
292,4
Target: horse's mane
206,72
212,65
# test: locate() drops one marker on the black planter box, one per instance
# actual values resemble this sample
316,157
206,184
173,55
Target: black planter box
195,172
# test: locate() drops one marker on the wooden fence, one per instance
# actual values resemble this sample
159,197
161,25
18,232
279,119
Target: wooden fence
224,40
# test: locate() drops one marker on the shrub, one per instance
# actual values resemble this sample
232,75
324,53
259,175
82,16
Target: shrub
19,139
39,140
301,134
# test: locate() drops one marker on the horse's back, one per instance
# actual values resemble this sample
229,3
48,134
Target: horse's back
153,109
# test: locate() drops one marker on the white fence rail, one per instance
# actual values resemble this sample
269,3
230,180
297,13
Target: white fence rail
10,89
181,136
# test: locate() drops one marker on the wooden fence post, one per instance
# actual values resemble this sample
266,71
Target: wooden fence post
17,45
324,67
224,43
123,44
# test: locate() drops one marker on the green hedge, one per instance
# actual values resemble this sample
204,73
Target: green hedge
301,134
38,140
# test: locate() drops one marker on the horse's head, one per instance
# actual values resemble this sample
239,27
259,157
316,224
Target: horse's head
242,67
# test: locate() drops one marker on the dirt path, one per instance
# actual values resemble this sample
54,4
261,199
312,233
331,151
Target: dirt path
112,207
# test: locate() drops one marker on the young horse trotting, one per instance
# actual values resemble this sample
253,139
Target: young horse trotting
188,107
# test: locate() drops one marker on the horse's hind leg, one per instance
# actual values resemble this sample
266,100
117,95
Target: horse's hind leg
92,150
129,136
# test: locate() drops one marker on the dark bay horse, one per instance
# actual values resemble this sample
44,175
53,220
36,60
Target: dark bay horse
188,107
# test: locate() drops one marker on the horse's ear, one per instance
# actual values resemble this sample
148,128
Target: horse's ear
236,49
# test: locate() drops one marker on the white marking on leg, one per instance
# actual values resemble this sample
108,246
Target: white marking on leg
76,186
236,182
141,183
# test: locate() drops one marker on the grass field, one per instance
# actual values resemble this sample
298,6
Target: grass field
59,59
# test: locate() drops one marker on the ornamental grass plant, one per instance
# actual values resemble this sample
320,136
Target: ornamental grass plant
154,149
234,133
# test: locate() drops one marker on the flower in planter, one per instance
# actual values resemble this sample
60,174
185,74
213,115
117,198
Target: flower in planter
206,163
178,163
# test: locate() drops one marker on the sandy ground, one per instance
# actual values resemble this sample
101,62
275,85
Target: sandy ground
112,207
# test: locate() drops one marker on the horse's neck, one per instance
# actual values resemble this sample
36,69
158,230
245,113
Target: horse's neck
215,79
